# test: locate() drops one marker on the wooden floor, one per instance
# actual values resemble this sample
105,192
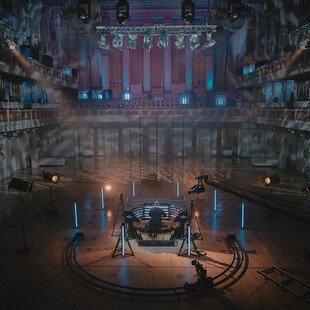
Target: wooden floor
41,279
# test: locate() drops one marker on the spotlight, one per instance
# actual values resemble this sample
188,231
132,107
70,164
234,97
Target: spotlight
147,42
11,45
118,41
84,10
122,11
269,180
20,185
162,41
194,41
132,41
127,95
179,41
209,40
103,44
108,187
49,177
188,11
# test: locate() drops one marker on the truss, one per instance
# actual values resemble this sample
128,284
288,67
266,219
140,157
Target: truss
157,29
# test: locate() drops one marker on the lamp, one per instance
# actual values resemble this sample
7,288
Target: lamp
269,180
118,41
132,41
194,41
147,42
20,185
209,40
84,10
49,177
11,45
179,41
122,11
102,43
188,11
162,41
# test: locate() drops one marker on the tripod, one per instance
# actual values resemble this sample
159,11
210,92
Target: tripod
189,239
25,249
53,209
196,219
120,206
120,244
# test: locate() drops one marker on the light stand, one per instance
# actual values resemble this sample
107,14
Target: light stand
52,179
21,186
122,238
189,239
120,206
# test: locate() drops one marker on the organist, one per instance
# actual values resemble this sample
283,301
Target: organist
156,214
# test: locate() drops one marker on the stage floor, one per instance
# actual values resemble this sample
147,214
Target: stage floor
41,279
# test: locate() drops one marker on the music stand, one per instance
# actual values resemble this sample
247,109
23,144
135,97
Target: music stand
21,186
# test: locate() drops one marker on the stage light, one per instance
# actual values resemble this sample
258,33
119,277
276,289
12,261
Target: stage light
209,40
108,187
188,11
194,41
269,180
122,11
20,185
132,41
49,177
84,10
118,41
147,42
179,41
127,95
162,41
11,45
103,44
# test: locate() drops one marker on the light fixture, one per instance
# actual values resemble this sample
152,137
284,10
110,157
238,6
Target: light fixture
11,45
118,41
84,10
20,185
108,187
122,11
209,40
103,44
162,41
194,41
188,11
147,42
127,95
179,41
269,180
49,177
132,41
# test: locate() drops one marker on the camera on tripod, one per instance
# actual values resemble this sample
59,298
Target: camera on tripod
199,187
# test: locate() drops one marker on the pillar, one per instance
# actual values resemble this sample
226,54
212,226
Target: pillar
146,71
188,66
167,67
125,65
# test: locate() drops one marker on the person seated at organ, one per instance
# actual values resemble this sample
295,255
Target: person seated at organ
156,215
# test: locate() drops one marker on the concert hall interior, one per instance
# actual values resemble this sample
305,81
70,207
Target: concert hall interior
154,154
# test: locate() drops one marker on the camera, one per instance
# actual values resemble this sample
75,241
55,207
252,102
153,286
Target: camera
197,189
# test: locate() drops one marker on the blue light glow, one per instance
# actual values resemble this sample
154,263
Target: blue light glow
220,100
102,199
214,201
83,94
184,99
188,240
123,240
127,95
209,82
242,215
75,215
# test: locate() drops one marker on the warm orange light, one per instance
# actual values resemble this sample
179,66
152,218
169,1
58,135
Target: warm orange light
196,213
108,187
109,213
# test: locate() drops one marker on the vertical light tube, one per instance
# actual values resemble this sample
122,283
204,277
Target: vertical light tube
178,189
188,240
242,215
123,240
133,189
102,199
214,201
75,215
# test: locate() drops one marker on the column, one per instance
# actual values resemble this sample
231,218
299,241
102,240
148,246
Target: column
103,67
95,140
167,67
146,71
194,134
188,66
125,65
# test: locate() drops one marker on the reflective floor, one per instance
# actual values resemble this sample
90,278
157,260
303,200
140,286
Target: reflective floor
41,279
